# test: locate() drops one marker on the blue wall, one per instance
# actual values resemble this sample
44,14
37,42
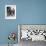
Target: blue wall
27,12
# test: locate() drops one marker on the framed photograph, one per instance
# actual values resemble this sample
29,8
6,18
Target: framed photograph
10,11
33,32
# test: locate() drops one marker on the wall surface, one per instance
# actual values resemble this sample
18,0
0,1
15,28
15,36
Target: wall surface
27,12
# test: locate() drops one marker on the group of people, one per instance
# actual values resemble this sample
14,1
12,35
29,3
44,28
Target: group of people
10,11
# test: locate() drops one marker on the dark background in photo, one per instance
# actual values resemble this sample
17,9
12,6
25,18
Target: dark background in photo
10,12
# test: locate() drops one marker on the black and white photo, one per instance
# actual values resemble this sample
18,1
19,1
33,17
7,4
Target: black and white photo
10,11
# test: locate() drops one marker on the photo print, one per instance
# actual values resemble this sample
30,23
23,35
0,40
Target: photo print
10,11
